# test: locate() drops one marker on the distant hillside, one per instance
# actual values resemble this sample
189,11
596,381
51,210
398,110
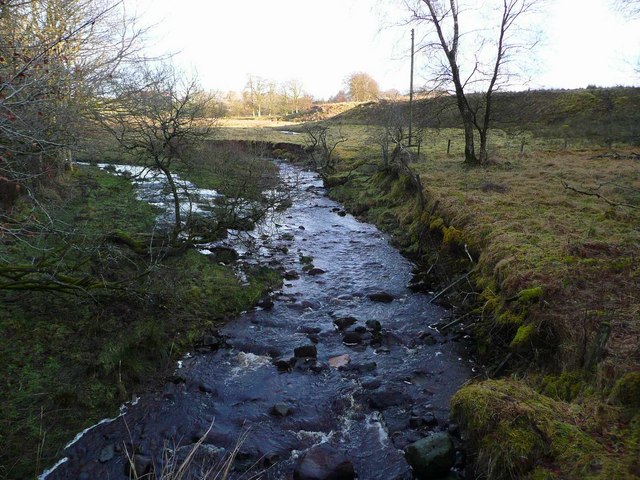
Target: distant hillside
601,115
321,111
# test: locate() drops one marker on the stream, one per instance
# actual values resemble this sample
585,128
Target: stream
344,355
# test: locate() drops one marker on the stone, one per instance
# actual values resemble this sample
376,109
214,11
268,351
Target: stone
282,365
360,329
291,275
372,384
387,398
265,303
416,422
382,297
306,351
280,410
343,323
374,325
224,254
351,338
210,341
431,457
323,462
342,213
107,453
316,271
430,420
339,361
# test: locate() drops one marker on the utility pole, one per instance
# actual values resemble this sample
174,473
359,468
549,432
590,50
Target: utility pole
411,87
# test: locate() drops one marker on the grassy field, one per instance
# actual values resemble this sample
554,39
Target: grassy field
552,290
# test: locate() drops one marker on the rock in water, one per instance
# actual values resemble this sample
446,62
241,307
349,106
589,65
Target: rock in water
339,361
383,297
107,453
343,323
280,410
431,457
306,351
316,271
323,463
351,338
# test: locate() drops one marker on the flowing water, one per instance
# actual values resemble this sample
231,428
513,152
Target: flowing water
361,395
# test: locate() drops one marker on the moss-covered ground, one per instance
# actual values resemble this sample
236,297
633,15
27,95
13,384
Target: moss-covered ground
72,359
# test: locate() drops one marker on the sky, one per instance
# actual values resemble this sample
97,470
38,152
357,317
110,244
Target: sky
321,42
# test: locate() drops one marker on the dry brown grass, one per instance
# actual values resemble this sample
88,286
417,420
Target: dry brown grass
532,232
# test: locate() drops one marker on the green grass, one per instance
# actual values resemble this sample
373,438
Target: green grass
70,360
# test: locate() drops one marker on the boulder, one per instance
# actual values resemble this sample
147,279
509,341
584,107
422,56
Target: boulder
206,388
323,462
431,457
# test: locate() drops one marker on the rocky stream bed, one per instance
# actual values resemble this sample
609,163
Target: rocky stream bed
330,378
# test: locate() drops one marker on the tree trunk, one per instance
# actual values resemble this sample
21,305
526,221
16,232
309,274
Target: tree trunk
469,142
484,155
176,202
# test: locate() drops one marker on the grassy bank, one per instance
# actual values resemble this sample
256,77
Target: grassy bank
552,283
71,359
545,247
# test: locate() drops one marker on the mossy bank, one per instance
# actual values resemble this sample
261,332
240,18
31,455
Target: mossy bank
72,359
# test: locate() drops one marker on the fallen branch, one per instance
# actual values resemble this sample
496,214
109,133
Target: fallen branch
593,193
449,287
455,322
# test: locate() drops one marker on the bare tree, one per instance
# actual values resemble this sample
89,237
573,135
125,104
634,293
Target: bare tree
56,58
157,118
628,7
392,140
320,147
362,87
473,62
294,93
256,91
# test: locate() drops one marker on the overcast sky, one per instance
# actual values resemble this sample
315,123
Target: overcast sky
321,42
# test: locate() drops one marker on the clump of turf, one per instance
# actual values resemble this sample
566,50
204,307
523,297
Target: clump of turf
517,432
